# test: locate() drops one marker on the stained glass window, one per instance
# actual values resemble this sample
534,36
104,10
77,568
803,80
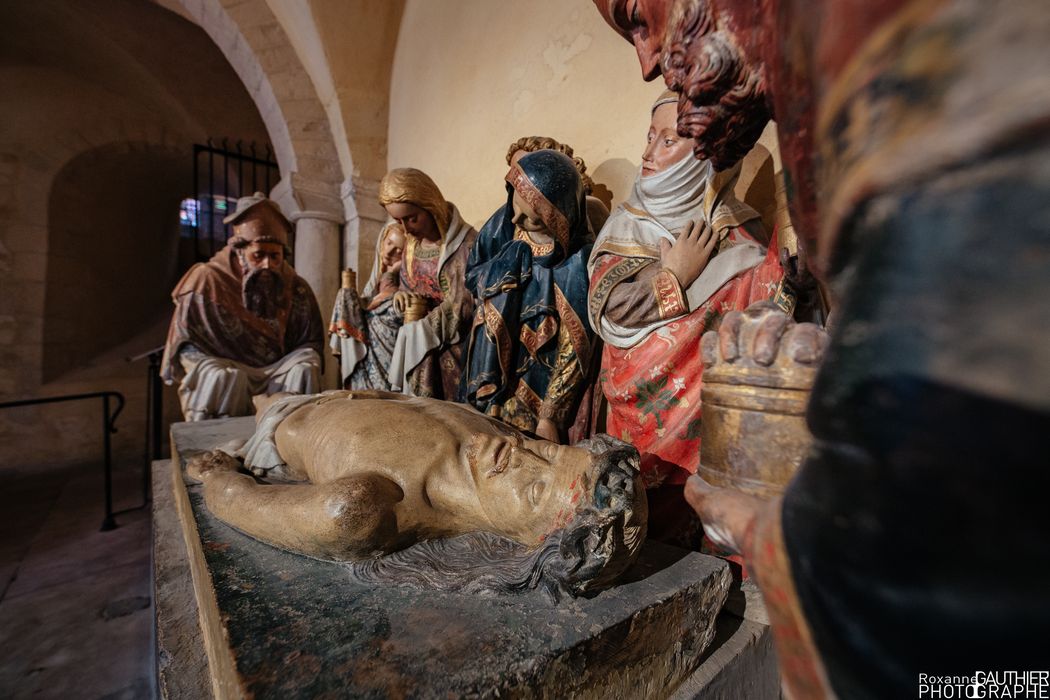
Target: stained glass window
188,212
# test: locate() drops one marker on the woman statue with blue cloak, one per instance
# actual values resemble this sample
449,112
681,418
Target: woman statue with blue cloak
531,343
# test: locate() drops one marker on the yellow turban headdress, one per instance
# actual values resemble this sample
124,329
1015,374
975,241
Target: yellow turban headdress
413,186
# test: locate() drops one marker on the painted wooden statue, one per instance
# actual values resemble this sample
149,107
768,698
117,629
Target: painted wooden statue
482,509
917,157
364,327
531,344
597,211
428,354
245,323
671,261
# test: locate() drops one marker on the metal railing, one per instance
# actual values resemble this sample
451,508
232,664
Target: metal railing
154,414
108,428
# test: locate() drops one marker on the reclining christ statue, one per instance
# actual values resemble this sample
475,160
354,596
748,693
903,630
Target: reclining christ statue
432,493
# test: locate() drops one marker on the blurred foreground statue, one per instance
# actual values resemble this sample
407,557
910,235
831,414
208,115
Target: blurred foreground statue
917,158
245,323
482,508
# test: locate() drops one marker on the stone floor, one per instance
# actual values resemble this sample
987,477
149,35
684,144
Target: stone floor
75,613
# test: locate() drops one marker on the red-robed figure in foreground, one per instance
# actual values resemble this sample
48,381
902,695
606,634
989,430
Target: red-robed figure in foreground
669,263
913,540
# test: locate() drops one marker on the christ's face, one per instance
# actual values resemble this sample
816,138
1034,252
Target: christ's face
533,486
525,487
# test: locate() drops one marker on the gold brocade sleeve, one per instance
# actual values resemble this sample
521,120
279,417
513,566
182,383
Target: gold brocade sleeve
669,297
651,295
567,379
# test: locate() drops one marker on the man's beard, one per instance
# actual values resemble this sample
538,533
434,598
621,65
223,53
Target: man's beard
725,107
261,292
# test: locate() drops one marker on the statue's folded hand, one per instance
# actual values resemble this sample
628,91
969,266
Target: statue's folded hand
401,300
687,257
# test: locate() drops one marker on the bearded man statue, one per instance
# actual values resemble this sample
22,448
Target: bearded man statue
245,323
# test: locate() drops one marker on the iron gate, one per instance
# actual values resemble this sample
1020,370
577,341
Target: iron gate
222,174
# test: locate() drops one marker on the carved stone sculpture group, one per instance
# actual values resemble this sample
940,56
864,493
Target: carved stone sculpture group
918,182
511,326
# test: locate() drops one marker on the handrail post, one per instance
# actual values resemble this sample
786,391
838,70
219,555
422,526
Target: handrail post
147,448
108,523
154,420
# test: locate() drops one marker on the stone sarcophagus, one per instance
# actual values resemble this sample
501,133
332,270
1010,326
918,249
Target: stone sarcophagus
258,621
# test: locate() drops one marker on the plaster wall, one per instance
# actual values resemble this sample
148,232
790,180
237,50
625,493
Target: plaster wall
346,47
472,76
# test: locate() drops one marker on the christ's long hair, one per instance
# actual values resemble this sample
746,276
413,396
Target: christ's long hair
585,556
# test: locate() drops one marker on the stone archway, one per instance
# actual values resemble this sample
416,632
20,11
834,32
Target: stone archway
325,108
112,215
84,79
257,47
32,263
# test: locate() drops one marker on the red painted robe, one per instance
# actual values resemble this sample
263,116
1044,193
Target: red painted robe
653,388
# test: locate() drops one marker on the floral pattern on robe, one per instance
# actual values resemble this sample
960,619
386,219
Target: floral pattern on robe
653,388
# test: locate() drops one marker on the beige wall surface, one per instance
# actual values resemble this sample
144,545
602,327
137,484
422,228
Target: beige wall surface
472,76
346,47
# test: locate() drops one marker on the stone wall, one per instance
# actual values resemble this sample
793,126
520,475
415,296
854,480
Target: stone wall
99,121
113,224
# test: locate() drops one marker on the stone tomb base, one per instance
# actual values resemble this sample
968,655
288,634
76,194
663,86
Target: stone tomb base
238,618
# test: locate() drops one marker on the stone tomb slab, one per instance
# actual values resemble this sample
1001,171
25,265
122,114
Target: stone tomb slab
280,625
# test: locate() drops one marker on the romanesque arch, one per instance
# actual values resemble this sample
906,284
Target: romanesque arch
257,47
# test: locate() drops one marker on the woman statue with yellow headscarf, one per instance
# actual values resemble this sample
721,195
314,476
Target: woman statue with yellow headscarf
438,309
